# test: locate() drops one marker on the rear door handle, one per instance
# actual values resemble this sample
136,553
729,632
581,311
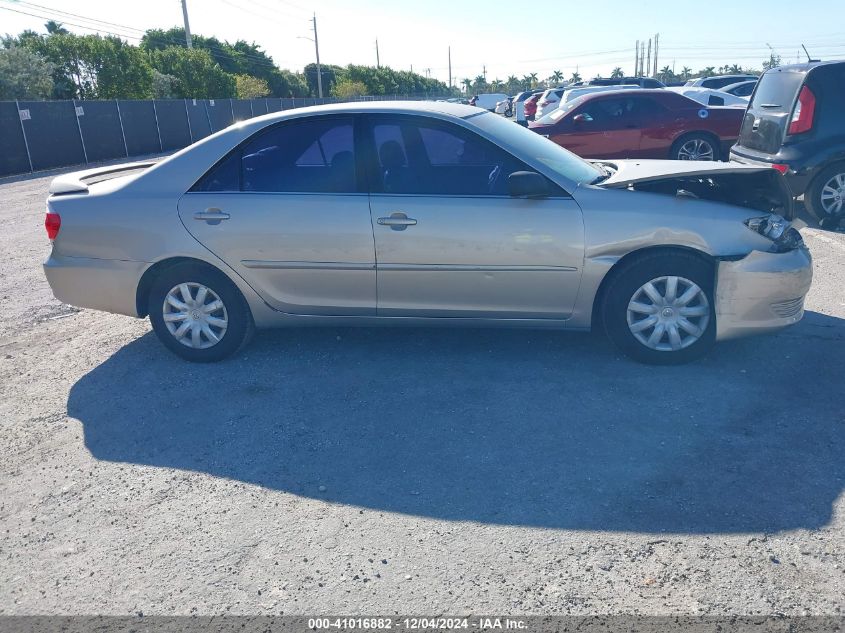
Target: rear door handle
211,215
397,221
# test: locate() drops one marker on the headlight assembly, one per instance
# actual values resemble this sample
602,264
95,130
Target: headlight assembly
783,235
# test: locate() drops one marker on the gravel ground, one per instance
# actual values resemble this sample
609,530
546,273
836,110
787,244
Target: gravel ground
401,471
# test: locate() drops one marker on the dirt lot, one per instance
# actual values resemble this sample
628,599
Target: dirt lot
400,471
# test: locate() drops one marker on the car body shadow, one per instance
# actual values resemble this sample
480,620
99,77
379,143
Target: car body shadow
527,428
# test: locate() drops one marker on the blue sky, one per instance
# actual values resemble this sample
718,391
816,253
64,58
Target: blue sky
507,37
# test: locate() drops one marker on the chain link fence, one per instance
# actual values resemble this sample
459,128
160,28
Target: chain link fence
39,135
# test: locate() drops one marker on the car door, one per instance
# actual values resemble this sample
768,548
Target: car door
604,127
288,212
451,242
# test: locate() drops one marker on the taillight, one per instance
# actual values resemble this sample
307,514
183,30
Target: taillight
805,109
780,167
53,222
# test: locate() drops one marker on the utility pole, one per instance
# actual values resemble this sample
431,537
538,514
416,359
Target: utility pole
642,57
656,40
450,67
636,58
378,63
485,72
188,39
648,62
317,50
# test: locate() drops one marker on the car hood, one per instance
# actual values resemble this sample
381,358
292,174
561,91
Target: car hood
628,172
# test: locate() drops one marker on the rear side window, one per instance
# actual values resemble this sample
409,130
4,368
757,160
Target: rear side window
306,156
777,90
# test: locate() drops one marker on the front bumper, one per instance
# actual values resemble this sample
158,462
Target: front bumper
761,292
100,284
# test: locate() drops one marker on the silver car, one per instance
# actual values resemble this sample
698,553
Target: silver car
425,214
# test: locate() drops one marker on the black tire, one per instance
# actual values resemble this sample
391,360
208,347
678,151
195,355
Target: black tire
240,325
813,195
712,143
628,281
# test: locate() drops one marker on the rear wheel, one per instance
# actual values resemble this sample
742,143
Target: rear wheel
825,198
198,313
695,147
659,308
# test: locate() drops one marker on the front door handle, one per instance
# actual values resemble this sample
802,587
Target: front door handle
211,215
397,221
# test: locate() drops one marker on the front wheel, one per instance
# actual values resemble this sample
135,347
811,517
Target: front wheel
695,147
659,308
198,313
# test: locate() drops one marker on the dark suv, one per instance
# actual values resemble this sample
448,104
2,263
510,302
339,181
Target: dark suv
796,123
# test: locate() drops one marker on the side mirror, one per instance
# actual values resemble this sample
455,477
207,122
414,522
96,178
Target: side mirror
527,184
582,118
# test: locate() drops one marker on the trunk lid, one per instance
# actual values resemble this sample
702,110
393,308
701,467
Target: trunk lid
770,110
79,181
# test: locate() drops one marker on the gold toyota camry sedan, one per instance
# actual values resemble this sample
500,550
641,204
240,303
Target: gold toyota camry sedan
420,214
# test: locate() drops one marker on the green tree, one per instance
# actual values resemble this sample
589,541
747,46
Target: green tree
773,62
197,76
467,84
346,89
576,76
24,75
94,67
618,73
708,71
164,86
556,77
666,75
513,84
55,28
249,87
686,73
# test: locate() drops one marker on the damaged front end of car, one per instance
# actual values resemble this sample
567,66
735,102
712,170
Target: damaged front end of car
755,291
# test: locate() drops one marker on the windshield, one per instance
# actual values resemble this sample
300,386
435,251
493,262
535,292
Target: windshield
558,113
542,149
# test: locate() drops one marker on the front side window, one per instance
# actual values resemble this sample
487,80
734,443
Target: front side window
303,156
419,157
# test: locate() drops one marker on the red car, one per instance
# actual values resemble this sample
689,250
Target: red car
531,106
642,124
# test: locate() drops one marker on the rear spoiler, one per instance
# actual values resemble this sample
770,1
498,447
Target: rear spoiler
77,182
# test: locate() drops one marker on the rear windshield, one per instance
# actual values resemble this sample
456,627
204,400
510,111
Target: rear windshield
776,91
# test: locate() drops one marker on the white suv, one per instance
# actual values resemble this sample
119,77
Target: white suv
548,101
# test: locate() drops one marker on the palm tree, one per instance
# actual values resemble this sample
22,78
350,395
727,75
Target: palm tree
496,84
617,73
556,77
686,73
708,71
533,78
513,83
480,83
736,69
467,84
576,76
665,75
55,28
